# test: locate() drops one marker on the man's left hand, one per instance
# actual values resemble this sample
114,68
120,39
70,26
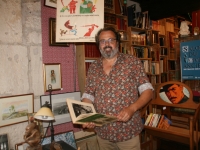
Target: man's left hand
125,114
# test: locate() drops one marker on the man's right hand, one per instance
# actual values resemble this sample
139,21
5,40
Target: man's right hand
89,125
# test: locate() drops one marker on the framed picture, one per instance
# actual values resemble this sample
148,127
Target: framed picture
38,122
67,137
52,34
4,142
14,109
52,76
59,106
51,3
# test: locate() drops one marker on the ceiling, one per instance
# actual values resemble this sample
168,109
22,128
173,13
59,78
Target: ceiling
159,9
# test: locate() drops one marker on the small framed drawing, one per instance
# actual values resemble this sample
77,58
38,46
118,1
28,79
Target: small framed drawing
52,34
14,109
51,3
59,106
4,141
52,76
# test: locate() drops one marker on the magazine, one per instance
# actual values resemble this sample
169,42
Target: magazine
82,112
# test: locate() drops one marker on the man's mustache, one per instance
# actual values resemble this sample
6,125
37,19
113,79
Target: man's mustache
173,98
107,47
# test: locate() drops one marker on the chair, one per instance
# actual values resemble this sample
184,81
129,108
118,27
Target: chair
186,113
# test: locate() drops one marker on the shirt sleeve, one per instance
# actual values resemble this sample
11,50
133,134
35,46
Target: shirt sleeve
141,77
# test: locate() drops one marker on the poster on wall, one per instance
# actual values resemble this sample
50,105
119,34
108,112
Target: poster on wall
190,60
79,20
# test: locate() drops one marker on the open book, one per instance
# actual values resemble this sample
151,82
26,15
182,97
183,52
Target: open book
82,112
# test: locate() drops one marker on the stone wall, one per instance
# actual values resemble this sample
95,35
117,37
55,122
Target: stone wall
20,56
23,50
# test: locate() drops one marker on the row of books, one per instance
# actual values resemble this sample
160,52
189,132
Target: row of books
121,23
158,121
113,19
146,64
108,4
138,39
154,79
91,50
155,69
110,18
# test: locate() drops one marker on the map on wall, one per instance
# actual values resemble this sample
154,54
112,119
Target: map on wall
190,60
79,20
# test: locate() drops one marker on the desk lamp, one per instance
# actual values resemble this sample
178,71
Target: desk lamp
45,113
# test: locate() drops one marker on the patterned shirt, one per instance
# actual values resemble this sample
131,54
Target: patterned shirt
111,93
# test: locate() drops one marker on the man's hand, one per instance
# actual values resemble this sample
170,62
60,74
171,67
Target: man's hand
89,125
125,114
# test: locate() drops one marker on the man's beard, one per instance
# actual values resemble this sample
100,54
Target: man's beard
109,54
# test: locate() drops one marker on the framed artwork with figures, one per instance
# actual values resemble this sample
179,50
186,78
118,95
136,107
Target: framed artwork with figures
52,76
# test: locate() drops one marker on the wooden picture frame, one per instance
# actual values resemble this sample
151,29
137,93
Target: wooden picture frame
52,34
59,103
14,109
52,76
51,3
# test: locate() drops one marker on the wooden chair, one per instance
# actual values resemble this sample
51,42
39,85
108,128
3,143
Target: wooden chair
189,110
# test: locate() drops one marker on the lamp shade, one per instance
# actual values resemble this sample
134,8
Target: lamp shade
44,113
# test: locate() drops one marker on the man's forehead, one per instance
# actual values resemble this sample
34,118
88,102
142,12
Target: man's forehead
173,86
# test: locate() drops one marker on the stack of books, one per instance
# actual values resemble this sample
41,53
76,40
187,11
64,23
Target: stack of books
158,121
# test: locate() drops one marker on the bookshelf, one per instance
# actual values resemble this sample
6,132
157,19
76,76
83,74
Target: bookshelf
115,15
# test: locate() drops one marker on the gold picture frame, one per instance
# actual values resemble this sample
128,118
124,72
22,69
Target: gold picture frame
52,34
14,109
52,76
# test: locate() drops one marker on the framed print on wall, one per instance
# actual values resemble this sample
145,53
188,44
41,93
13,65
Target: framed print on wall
14,109
52,75
51,3
59,106
52,34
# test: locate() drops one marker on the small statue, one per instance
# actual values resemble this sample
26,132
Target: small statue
32,136
184,29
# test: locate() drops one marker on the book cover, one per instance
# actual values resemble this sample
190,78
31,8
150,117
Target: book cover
152,120
148,119
82,112
165,123
157,121
160,121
